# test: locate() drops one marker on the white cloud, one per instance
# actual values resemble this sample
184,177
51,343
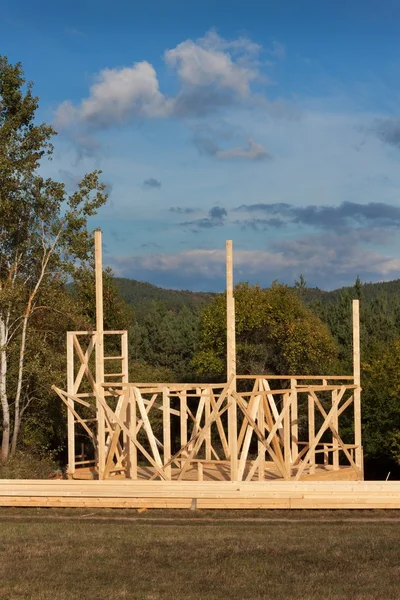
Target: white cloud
212,72
253,151
208,264
117,95
207,62
327,261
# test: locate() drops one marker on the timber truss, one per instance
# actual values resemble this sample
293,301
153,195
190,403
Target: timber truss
250,428
246,429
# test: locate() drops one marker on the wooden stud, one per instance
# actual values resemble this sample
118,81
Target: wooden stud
294,420
133,457
260,446
357,391
311,432
183,418
251,416
70,415
287,400
335,423
207,413
166,432
99,352
231,360
147,427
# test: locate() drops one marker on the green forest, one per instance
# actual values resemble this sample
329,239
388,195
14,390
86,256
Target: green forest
47,288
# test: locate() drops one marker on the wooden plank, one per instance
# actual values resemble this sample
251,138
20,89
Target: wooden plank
155,463
183,418
260,446
85,364
357,391
287,401
133,458
166,432
207,413
115,438
213,495
200,436
220,427
311,432
272,435
231,360
75,414
251,413
270,396
275,443
197,419
310,456
70,415
230,316
335,433
99,352
147,427
289,377
335,423
294,420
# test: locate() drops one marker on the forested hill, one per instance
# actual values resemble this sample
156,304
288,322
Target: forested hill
370,292
140,294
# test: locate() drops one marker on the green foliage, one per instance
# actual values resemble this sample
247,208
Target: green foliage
381,403
118,314
275,333
380,359
140,295
167,340
44,239
25,465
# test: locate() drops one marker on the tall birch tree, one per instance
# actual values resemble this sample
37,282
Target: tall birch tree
43,234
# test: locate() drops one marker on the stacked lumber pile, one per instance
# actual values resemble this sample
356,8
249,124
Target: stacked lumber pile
210,494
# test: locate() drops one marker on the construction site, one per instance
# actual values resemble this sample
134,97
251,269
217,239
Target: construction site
253,441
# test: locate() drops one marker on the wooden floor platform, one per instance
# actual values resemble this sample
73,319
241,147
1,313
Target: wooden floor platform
210,494
220,471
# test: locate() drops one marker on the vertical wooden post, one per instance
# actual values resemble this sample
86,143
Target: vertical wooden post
183,417
357,382
167,430
311,430
124,354
70,415
231,360
335,423
129,446
287,433
133,454
99,352
260,446
230,316
294,420
207,412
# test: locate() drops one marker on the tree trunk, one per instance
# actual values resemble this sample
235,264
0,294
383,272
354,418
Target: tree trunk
17,407
5,442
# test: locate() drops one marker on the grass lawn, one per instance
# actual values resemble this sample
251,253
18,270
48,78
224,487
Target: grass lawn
54,554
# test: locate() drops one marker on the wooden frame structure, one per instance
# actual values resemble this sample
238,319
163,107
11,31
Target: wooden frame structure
255,441
250,428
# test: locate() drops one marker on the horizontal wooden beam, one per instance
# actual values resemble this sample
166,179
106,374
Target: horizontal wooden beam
217,495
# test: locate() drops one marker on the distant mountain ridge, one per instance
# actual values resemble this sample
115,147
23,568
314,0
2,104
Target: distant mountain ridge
140,294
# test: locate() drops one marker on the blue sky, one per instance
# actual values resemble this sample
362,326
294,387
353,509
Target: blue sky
272,123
